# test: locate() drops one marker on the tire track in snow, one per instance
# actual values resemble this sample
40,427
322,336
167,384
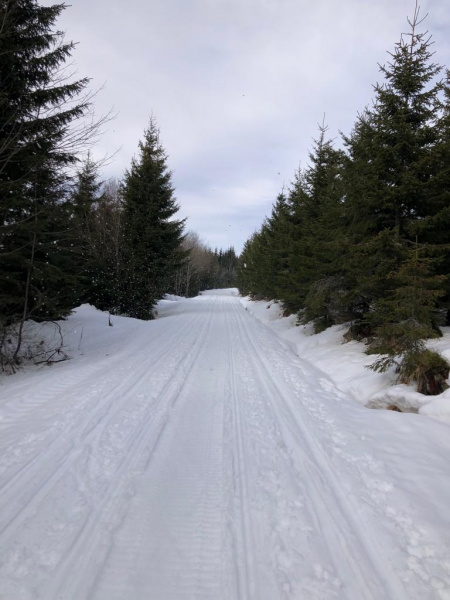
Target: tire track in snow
241,526
161,485
54,494
318,468
33,480
66,383
70,582
169,543
21,403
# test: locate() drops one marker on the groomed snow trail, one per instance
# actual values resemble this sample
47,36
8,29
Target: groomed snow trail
203,460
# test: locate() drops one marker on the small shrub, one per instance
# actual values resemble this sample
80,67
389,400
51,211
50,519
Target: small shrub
428,369
321,324
359,331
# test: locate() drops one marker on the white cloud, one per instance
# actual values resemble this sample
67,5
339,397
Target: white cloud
237,87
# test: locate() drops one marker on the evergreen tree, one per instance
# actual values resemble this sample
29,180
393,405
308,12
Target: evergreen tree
433,225
353,221
36,113
279,242
317,249
388,172
86,194
405,317
105,254
291,244
152,236
84,203
251,272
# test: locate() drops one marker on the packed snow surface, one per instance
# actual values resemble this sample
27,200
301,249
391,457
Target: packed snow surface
345,363
197,456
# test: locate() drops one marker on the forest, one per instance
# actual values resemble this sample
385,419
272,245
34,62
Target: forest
362,234
67,237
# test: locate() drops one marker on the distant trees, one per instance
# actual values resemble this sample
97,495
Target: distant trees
296,256
65,236
364,235
204,268
104,250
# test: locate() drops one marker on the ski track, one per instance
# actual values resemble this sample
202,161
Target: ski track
66,446
201,462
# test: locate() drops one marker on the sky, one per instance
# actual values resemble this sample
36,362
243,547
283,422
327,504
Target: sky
237,88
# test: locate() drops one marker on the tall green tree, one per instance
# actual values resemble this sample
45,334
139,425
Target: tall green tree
389,170
252,272
37,110
316,255
152,235
404,318
86,194
85,201
103,264
433,225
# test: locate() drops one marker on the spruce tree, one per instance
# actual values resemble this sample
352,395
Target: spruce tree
37,109
404,318
104,278
86,194
252,272
291,284
320,266
312,244
152,235
388,174
84,203
433,225
279,236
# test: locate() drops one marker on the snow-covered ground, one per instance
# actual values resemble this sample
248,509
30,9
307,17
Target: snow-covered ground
345,363
198,456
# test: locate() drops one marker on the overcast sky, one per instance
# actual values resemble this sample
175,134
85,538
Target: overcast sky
237,88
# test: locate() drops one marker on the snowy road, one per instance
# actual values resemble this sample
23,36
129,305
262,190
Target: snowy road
197,457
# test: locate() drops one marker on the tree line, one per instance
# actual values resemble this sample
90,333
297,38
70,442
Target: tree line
205,268
66,237
362,234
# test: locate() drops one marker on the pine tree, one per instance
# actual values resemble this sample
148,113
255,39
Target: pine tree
388,174
433,225
84,202
405,317
315,213
152,236
252,272
105,286
86,194
291,244
37,109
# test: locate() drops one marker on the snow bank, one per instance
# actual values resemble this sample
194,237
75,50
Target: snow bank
345,363
87,332
402,396
172,298
438,407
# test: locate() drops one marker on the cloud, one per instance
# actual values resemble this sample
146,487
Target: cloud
237,87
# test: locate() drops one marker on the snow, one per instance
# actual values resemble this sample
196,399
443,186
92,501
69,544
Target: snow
345,363
199,456
438,408
401,396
